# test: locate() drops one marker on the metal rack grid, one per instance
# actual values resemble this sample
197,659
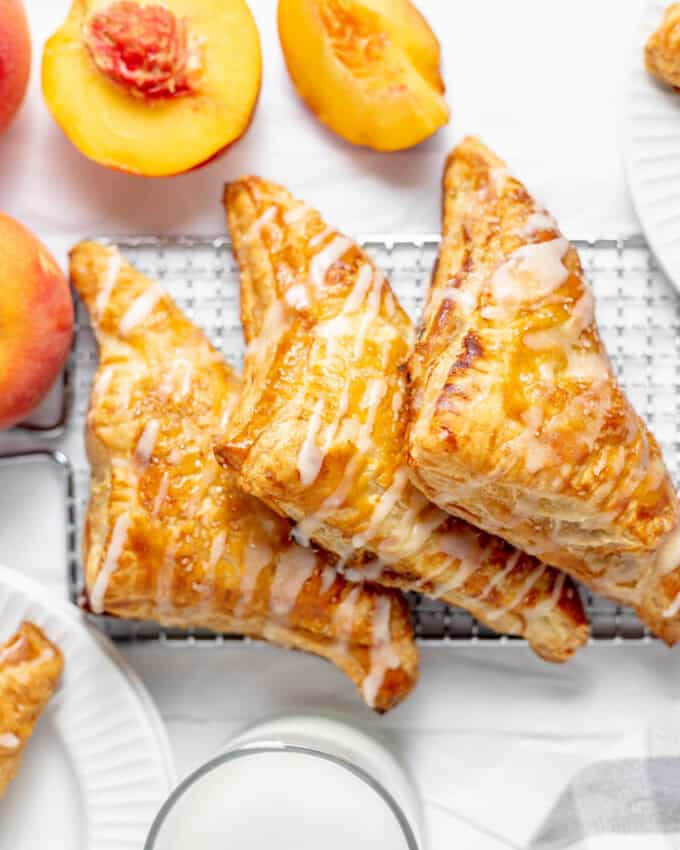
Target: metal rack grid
639,315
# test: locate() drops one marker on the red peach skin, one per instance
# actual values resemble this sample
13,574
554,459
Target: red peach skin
36,321
15,59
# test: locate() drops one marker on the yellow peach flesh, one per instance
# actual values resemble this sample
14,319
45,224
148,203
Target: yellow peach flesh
157,136
369,69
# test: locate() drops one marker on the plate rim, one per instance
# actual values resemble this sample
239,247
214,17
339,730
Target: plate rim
72,617
644,28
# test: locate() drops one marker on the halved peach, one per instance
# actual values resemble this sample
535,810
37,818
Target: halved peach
369,69
36,321
15,58
153,88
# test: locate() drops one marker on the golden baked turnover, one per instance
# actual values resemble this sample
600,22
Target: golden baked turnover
30,667
518,423
320,431
169,536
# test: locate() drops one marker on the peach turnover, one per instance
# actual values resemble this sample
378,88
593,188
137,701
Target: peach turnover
36,321
153,88
368,69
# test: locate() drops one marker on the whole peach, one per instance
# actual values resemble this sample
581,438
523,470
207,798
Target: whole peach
15,58
36,321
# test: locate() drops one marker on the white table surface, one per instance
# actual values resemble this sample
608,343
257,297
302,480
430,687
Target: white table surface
491,732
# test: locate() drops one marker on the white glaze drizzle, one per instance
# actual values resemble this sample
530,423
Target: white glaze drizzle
383,655
256,556
165,578
118,538
102,383
293,569
548,605
462,547
370,314
310,457
371,571
319,238
333,329
167,383
521,594
273,325
498,176
140,309
9,741
383,507
397,402
161,495
261,222
343,619
585,364
295,214
208,476
147,442
297,297
328,577
668,557
419,532
108,282
536,454
322,261
537,223
501,575
229,408
187,376
217,549
371,401
530,273
673,608
15,648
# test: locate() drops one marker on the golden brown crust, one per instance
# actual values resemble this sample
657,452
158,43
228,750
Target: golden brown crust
30,667
169,536
517,421
662,51
320,432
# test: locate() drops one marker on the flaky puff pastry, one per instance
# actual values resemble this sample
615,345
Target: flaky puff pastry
662,51
169,537
320,432
30,667
518,422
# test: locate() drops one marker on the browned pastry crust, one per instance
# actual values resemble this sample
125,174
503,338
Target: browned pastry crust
518,422
662,51
320,431
30,666
169,537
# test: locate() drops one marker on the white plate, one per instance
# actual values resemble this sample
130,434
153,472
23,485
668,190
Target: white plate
99,766
652,150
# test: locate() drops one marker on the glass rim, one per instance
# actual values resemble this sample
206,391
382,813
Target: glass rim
271,747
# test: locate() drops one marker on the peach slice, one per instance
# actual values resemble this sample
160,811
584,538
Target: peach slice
15,59
153,88
36,321
369,69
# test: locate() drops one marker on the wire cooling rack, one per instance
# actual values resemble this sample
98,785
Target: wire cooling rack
638,312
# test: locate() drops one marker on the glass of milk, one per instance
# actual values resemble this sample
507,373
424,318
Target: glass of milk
300,782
